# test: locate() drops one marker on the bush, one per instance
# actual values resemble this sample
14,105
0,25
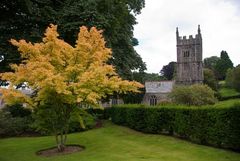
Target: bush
18,110
216,125
85,122
15,120
193,95
13,126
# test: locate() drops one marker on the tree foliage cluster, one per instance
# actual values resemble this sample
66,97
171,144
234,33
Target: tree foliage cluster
197,95
15,121
210,79
219,65
168,71
233,78
27,19
64,77
223,65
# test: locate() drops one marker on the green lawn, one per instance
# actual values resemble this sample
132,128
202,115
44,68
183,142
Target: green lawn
228,92
115,143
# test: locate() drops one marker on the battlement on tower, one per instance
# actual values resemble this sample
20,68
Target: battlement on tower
184,40
190,37
188,40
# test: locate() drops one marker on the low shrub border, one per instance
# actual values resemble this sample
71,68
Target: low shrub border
208,125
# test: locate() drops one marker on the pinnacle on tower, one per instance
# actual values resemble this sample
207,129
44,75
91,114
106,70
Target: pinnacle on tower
199,30
177,34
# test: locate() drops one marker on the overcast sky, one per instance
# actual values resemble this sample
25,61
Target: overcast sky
156,29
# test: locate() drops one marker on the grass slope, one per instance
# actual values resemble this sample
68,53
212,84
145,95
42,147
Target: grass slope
228,92
114,143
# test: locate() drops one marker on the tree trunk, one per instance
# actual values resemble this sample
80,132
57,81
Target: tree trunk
60,143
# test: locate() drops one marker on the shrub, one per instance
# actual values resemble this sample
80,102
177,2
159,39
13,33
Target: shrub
82,122
15,120
193,95
216,125
13,126
18,110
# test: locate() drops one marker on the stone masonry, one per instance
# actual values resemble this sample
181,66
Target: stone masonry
189,59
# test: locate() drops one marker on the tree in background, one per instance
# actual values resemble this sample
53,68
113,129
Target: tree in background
222,65
233,78
116,18
229,78
236,78
209,78
23,19
169,70
27,19
210,63
142,77
64,77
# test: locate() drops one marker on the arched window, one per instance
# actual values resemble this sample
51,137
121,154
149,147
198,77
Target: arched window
114,101
186,53
153,100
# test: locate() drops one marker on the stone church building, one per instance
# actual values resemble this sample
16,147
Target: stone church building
189,69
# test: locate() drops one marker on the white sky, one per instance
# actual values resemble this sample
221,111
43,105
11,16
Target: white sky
156,29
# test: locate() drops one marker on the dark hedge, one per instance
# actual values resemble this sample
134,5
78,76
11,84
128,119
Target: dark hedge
208,125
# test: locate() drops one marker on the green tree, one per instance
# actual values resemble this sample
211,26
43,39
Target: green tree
236,78
169,70
233,78
27,19
193,95
23,19
222,65
209,78
210,62
229,78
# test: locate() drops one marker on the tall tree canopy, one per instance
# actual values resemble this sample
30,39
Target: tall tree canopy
210,62
169,70
27,19
222,65
63,76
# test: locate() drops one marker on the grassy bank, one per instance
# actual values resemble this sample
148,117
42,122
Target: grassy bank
115,143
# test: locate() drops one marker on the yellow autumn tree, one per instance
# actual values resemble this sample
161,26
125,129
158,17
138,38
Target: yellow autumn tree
63,76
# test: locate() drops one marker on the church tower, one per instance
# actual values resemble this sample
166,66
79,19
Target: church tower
189,59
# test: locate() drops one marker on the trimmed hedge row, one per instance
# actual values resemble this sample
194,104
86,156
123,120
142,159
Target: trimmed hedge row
219,127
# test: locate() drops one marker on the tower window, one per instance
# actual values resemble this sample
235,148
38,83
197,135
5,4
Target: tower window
186,54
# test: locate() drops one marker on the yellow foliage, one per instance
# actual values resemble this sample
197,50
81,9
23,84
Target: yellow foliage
78,74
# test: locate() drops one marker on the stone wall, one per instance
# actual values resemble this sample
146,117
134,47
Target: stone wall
157,92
